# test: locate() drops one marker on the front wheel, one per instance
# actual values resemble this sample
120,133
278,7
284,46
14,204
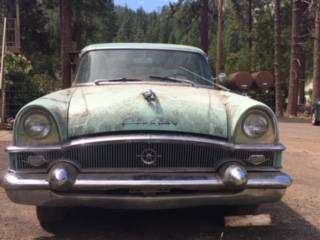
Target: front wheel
51,218
314,120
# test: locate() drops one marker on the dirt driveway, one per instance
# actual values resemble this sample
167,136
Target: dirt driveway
297,217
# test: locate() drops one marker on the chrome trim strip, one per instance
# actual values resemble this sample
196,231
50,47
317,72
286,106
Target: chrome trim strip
146,138
261,180
147,171
17,149
48,198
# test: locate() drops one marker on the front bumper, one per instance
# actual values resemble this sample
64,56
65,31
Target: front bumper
141,191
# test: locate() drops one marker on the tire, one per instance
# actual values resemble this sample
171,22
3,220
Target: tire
314,120
51,218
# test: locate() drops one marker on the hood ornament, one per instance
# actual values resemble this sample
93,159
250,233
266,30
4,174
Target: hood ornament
149,95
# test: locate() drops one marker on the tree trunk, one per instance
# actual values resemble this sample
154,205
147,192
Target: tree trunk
292,107
316,73
78,26
302,75
204,27
66,40
219,37
250,23
250,32
278,58
303,37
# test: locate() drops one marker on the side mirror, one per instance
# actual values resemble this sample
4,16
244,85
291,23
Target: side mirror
222,77
74,58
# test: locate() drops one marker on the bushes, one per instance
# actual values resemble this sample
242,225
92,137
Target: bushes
22,85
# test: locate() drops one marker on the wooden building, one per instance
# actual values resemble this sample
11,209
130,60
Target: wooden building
9,9
10,41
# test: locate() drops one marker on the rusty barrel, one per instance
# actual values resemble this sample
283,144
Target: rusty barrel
263,79
241,80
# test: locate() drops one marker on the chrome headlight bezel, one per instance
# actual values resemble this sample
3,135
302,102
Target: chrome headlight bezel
255,118
270,136
22,136
40,120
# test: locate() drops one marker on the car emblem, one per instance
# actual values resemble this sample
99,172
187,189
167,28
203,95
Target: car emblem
149,156
257,159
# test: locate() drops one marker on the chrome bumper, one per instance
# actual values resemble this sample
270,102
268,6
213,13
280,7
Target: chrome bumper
101,190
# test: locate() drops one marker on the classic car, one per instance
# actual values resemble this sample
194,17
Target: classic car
144,126
315,119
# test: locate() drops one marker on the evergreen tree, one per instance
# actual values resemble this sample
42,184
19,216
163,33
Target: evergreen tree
125,32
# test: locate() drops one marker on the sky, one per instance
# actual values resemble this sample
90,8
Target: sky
148,5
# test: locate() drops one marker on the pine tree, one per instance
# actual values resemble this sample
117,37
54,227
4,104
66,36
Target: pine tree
125,33
66,41
219,37
277,58
295,61
316,72
204,26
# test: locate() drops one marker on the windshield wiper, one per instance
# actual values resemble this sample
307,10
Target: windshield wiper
168,78
195,74
204,79
99,81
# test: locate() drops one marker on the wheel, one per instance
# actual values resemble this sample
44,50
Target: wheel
314,120
51,218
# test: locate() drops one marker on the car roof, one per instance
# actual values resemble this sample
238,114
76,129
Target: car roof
153,46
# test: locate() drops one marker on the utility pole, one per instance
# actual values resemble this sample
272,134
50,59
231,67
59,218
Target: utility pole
2,80
204,26
17,31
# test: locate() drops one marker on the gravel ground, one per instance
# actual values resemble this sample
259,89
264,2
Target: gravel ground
296,217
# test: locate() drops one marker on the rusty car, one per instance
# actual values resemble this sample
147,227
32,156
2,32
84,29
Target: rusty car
144,126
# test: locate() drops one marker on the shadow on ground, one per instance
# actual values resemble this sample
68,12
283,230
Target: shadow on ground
202,224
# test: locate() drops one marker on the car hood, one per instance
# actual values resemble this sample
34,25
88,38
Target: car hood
123,108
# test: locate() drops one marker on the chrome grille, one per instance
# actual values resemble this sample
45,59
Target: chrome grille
127,156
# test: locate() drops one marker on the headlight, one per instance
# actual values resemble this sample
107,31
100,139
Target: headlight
37,125
255,125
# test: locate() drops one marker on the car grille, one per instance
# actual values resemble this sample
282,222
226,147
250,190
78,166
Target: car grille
129,156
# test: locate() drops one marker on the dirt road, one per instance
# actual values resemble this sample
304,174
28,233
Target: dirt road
297,217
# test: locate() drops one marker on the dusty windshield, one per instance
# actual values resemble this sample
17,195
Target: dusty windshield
145,65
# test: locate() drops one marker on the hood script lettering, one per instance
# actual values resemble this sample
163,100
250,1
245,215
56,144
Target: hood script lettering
155,121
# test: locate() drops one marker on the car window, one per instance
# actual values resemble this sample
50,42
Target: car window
141,64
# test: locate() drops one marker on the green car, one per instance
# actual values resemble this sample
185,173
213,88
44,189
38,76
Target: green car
144,126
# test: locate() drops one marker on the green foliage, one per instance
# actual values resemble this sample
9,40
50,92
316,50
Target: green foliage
22,85
44,83
179,23
17,63
94,21
263,33
125,23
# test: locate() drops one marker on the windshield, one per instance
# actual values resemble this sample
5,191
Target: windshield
142,65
